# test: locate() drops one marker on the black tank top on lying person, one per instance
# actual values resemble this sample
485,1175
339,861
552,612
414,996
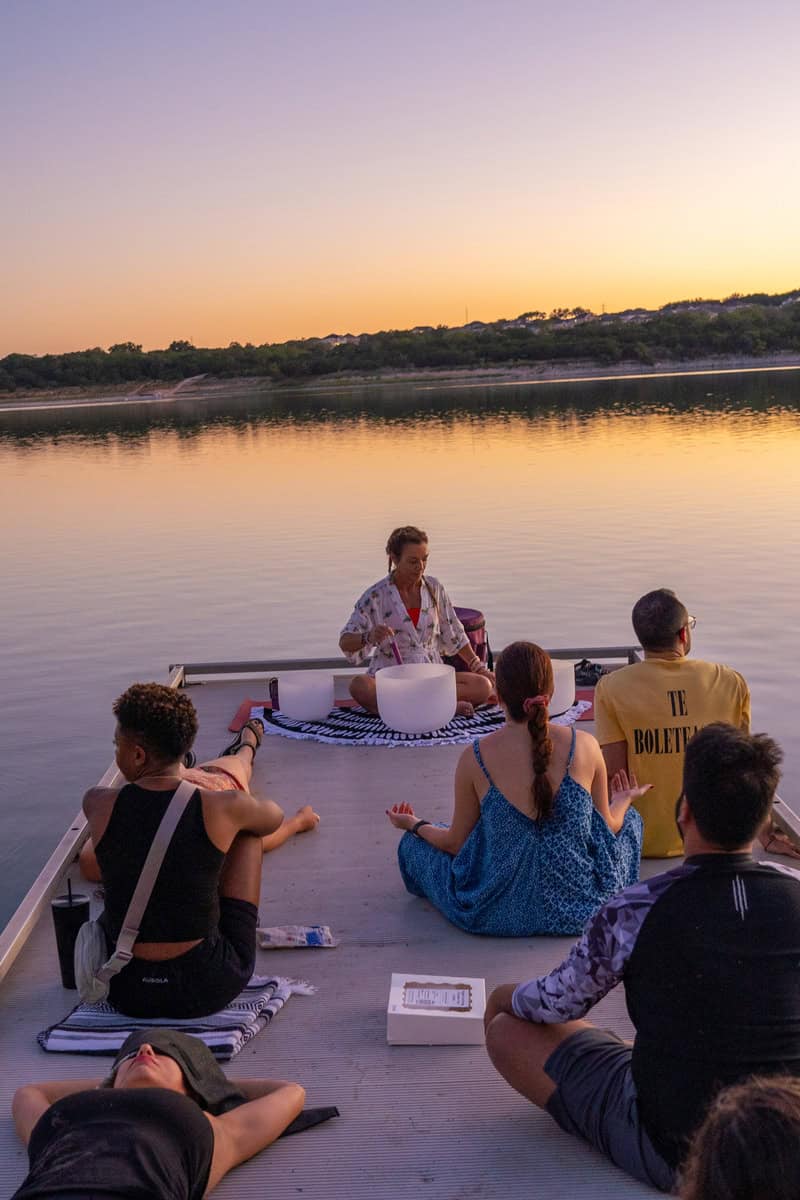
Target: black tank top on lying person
184,903
147,1143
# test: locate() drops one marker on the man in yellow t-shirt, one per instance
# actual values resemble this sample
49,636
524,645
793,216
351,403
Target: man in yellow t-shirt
646,713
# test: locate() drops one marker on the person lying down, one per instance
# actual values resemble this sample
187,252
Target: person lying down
166,1122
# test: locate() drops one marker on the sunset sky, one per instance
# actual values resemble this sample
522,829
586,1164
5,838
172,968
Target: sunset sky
256,171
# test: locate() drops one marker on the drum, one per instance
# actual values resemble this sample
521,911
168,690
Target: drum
474,624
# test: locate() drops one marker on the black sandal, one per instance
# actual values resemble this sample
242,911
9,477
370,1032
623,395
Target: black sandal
256,727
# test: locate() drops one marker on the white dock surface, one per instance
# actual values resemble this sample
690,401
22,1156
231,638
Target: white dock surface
433,1122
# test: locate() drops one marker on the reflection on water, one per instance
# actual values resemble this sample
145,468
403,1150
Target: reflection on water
757,392
233,528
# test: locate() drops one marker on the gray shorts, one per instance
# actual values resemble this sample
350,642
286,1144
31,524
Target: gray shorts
595,1099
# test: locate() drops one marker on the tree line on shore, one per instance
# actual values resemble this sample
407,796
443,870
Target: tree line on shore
751,326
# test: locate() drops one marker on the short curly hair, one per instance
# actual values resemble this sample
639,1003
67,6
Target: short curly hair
163,719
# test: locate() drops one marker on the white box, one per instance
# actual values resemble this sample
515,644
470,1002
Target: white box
435,1010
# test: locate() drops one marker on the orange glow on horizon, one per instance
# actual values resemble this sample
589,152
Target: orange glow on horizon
246,318
161,184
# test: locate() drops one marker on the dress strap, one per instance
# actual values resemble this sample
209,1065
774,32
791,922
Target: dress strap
477,752
571,749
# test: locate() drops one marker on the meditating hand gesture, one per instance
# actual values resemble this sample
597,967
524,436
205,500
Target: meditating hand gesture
625,789
402,816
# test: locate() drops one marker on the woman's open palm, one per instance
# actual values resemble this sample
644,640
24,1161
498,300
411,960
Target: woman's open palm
402,815
625,789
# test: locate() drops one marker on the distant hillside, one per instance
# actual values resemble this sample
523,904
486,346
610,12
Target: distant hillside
753,325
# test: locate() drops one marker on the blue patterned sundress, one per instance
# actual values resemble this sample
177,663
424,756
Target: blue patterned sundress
518,877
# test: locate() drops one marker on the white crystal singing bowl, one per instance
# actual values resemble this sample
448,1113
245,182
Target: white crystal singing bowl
306,696
564,679
416,697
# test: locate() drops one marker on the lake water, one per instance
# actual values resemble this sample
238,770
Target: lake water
243,528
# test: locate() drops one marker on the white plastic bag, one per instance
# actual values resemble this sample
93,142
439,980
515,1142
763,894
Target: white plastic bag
91,954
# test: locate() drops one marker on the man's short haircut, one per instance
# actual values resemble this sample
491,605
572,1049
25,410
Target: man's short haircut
729,781
160,718
658,618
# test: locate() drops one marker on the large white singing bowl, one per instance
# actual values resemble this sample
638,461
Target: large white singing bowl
306,696
416,697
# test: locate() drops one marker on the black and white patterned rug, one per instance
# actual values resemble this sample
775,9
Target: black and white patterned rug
357,727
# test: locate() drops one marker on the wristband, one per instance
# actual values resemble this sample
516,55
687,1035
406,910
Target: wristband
415,828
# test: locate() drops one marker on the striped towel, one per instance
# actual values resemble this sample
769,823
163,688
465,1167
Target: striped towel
101,1029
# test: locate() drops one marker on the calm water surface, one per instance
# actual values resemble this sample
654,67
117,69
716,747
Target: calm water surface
244,528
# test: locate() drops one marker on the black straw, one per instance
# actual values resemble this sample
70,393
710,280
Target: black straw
69,890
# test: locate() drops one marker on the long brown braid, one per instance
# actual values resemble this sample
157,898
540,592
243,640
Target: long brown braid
523,671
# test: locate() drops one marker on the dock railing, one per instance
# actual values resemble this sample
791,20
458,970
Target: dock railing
786,820
629,654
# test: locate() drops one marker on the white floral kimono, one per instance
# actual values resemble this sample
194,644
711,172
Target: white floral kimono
438,630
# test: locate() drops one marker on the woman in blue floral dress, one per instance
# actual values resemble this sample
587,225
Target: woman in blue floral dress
534,846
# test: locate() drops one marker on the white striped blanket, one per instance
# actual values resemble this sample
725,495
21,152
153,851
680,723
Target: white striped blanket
357,727
101,1029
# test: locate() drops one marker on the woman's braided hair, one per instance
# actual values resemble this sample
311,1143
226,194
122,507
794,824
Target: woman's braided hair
398,538
524,670
162,719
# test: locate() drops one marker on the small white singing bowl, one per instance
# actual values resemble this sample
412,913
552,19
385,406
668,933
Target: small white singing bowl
564,693
416,697
306,696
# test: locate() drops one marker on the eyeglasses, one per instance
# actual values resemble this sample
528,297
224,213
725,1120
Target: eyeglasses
689,623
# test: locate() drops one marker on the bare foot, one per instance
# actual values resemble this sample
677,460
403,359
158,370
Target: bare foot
305,818
465,709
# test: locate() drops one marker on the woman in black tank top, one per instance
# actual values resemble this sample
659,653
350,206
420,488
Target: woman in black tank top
197,940
166,1123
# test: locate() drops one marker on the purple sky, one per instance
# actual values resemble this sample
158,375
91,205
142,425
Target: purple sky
258,171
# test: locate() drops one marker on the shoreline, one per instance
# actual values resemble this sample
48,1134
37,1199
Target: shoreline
571,371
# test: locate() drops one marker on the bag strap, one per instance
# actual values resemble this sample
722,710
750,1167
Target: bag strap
147,881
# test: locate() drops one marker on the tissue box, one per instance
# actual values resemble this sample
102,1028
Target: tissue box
435,1010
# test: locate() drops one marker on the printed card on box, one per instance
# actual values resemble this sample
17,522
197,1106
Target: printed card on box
435,1010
